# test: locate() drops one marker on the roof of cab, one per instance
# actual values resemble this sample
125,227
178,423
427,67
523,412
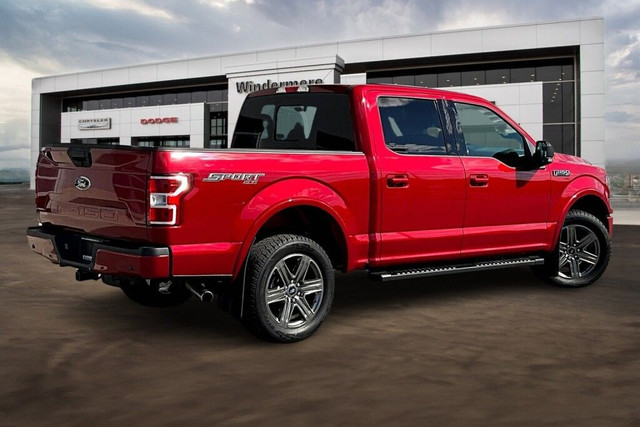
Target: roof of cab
341,89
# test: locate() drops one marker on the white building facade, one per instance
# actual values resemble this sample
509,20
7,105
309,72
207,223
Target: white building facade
549,77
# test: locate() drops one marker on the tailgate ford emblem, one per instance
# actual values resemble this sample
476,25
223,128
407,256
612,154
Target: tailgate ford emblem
83,183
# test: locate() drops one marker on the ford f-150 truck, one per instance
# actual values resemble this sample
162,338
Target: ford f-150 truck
404,182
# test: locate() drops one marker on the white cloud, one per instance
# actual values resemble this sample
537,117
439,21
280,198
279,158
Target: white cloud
224,4
136,6
15,110
473,19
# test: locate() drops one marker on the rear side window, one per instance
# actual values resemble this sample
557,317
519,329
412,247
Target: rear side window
411,126
295,121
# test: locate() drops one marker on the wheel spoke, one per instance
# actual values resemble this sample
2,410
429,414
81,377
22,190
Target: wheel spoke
563,246
304,307
588,257
574,267
287,312
571,235
563,260
284,273
586,241
276,295
303,267
312,286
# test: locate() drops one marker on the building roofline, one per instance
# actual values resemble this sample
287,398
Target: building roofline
312,45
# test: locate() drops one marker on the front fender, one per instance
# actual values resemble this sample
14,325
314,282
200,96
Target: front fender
577,189
286,194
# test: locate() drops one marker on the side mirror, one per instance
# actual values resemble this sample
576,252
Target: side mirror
544,154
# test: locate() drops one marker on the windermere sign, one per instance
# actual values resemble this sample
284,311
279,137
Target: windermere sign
250,86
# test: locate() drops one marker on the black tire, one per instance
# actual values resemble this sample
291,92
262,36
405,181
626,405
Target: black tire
582,252
296,274
139,291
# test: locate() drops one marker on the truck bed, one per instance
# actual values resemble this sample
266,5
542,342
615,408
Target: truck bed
230,193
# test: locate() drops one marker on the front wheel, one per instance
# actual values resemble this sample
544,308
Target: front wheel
582,253
289,288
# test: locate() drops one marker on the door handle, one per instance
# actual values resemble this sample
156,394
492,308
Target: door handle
479,180
397,181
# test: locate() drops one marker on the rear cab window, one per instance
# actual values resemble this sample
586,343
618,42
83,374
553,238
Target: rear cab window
296,121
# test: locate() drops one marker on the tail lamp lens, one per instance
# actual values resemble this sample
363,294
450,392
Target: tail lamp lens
165,195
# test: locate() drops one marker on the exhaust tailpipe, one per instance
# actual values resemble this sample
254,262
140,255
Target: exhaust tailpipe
204,294
82,275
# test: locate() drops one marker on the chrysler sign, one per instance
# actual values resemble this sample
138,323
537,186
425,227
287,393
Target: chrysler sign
250,86
94,124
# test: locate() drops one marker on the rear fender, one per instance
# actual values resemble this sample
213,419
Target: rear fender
283,195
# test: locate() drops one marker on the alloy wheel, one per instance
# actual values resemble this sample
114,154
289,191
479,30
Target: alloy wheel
579,251
295,289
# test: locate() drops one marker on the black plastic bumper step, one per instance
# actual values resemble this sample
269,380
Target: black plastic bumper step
437,270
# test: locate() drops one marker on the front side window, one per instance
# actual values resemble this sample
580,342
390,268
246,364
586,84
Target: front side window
486,134
300,121
411,126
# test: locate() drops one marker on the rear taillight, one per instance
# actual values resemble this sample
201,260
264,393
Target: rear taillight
165,195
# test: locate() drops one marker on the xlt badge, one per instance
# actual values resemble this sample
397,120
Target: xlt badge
246,178
561,172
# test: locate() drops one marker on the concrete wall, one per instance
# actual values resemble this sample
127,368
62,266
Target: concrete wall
127,123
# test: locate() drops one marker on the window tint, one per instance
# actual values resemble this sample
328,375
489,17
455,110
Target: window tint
295,121
411,126
487,135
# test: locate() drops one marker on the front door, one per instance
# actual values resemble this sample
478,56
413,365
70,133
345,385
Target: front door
507,202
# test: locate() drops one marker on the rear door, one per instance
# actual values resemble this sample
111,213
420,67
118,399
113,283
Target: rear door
100,191
420,183
507,202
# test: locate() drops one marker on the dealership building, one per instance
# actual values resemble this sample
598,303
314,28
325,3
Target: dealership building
549,77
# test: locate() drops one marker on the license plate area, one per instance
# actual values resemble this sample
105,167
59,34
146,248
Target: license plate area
76,248
86,248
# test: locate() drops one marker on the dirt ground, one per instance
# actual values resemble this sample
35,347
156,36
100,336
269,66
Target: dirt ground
498,347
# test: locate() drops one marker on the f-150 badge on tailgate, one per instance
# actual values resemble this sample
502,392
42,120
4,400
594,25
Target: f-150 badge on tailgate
246,178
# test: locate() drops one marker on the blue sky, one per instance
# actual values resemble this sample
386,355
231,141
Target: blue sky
60,36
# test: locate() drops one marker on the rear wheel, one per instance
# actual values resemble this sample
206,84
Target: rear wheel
289,288
155,293
582,254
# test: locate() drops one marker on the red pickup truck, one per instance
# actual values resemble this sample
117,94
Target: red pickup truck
404,182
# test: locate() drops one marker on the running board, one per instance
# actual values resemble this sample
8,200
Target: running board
436,270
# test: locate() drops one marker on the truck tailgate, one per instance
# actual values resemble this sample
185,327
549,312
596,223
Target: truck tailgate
96,190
